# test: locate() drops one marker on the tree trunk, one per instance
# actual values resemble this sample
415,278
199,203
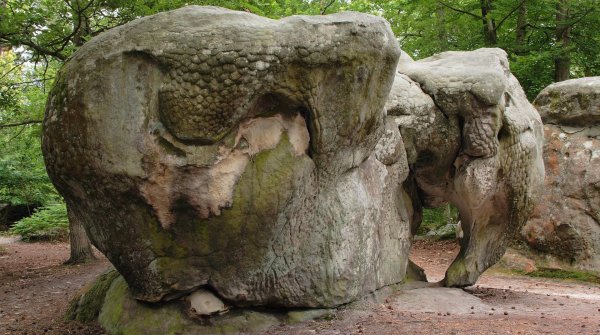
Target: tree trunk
81,248
489,24
81,24
521,30
448,214
562,61
441,27
3,48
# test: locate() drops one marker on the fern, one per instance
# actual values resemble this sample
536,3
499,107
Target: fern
48,223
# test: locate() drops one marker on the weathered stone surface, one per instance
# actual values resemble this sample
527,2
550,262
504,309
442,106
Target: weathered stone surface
574,102
109,300
566,222
207,147
202,303
474,140
122,314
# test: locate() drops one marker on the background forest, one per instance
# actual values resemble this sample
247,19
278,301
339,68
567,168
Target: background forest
546,40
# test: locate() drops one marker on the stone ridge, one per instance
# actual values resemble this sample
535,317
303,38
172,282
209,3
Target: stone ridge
574,102
215,66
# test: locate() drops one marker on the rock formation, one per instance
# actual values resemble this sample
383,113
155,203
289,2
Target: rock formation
472,139
205,147
235,161
566,223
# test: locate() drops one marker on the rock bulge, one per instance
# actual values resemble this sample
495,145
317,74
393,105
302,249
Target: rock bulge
264,163
205,147
566,222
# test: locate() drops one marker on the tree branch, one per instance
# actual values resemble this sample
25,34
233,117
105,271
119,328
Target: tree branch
17,134
460,10
11,70
589,10
56,54
21,83
22,123
509,14
326,7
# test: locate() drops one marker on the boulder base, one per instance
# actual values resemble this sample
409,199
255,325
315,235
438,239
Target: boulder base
209,148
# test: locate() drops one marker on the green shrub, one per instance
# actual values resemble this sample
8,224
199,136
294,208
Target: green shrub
48,223
436,218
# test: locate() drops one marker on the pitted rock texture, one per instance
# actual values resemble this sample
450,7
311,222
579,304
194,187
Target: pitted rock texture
474,140
208,148
566,222
574,102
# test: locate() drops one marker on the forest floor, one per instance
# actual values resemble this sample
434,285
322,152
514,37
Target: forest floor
35,289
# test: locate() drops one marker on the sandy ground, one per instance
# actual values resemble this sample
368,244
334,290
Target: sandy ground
35,289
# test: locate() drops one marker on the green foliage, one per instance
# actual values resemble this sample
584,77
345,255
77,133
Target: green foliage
436,218
565,275
47,223
523,67
23,177
426,27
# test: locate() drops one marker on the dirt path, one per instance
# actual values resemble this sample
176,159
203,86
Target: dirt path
35,288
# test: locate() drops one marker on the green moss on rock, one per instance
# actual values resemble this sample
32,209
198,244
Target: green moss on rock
87,306
123,315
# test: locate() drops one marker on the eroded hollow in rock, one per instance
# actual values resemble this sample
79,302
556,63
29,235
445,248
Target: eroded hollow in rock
473,140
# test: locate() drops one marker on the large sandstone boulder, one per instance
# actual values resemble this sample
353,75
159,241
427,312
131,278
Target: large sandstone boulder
236,161
473,140
208,148
574,102
566,223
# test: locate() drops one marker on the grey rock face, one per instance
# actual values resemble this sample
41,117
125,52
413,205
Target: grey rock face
202,303
574,102
207,147
474,140
566,222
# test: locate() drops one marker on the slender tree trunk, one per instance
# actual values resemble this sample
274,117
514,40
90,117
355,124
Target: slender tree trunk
81,248
521,31
3,48
448,214
441,27
81,24
562,62
489,24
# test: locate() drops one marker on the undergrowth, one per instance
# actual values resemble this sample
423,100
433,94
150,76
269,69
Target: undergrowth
563,274
436,218
48,223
